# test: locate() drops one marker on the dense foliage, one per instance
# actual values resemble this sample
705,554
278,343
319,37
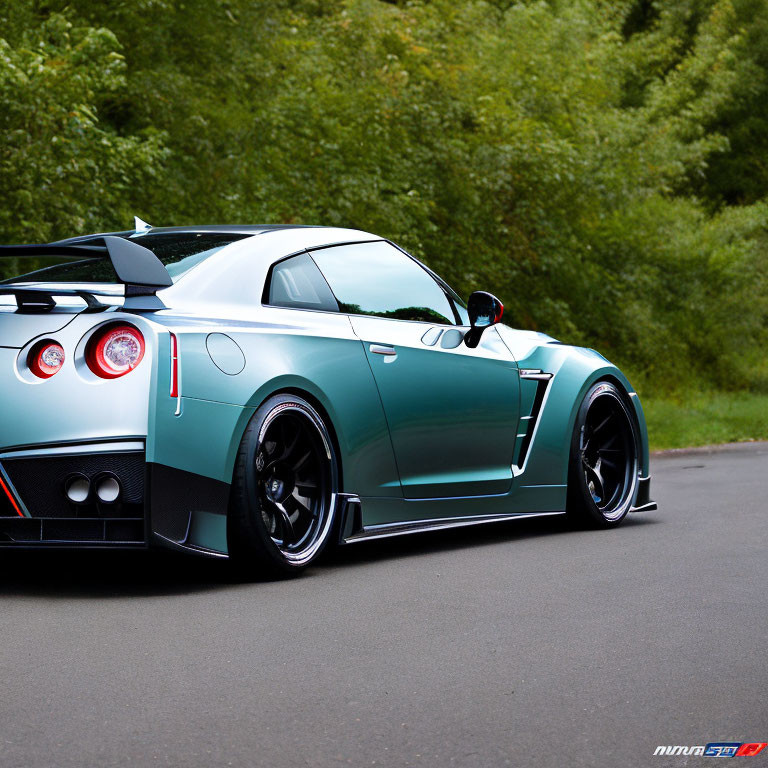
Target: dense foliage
601,165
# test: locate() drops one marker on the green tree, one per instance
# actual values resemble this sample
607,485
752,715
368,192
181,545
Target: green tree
63,169
600,165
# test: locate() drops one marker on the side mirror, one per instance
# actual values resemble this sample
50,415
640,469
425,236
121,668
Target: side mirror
484,310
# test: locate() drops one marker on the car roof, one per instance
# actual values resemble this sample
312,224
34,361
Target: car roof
230,273
193,229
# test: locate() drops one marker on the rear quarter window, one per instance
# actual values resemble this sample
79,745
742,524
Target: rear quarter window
297,282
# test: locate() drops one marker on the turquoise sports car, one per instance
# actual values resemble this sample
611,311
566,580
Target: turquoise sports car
259,392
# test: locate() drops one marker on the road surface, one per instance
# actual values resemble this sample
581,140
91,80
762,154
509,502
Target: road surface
522,644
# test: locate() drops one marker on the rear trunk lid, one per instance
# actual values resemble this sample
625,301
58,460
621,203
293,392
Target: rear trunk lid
19,326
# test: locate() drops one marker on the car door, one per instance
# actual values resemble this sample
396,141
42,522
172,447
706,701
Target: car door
452,411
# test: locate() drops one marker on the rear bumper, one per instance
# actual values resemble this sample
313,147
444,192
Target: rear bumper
36,511
158,506
643,502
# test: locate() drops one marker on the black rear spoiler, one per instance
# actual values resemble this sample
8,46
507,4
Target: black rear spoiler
142,273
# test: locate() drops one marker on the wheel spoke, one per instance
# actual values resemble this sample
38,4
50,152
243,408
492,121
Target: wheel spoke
289,532
301,516
607,463
302,461
294,504
612,497
272,519
290,443
594,480
602,423
306,488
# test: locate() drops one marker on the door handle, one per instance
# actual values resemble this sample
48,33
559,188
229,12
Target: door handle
382,349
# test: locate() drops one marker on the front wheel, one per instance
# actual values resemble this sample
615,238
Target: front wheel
603,469
284,489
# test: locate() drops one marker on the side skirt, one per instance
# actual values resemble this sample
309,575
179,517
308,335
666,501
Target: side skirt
420,526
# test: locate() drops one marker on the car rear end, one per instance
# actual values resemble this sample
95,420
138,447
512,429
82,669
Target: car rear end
76,375
86,342
75,387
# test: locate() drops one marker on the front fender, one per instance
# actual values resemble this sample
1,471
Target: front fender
575,370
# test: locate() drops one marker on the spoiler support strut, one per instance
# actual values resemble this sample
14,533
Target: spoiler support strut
142,273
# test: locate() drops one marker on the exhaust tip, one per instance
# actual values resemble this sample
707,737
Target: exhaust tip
107,488
77,488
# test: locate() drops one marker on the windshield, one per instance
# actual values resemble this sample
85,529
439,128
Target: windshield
178,252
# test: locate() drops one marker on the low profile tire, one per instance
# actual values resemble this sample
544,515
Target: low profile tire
603,469
284,490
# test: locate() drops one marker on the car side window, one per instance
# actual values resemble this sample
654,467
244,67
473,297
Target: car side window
297,282
378,279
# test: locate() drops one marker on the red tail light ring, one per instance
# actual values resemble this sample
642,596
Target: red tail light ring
115,350
46,358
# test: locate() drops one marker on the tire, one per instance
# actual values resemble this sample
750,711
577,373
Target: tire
603,466
284,490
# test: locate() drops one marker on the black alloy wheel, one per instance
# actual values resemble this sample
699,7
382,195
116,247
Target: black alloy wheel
284,490
604,461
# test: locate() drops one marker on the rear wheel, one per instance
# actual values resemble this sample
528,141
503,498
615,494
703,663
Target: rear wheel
284,489
603,468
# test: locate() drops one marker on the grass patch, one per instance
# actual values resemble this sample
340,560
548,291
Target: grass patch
706,419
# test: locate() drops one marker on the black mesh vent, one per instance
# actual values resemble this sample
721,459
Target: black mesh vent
40,483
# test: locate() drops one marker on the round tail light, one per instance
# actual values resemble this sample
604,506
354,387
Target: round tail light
115,351
46,358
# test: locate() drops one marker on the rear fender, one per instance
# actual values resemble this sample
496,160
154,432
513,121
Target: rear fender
216,406
201,432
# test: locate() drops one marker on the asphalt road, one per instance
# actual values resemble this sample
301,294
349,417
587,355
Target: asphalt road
522,644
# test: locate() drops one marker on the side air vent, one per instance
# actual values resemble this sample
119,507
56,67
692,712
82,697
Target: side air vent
534,385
